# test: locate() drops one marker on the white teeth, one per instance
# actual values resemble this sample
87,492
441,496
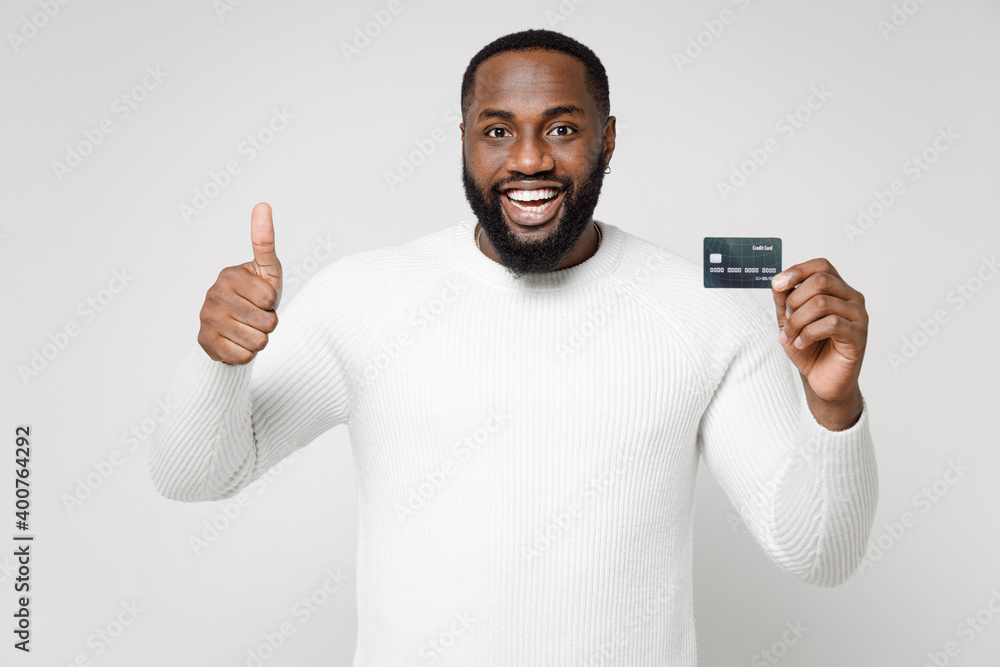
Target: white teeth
533,209
532,195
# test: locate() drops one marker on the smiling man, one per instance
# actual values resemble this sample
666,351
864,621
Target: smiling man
544,164
528,396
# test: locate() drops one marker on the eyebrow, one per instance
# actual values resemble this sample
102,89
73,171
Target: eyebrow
553,111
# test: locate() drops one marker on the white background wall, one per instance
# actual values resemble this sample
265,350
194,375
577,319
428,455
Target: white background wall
681,129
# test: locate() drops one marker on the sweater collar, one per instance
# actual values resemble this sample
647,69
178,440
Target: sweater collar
596,266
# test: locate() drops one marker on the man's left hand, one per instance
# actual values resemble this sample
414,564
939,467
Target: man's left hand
824,331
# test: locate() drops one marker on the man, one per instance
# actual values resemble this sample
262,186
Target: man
528,398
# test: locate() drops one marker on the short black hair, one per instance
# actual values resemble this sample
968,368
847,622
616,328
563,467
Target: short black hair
529,40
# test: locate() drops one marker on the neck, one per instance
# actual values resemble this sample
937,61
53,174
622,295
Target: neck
582,250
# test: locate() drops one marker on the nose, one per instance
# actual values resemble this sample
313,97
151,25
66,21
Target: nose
530,155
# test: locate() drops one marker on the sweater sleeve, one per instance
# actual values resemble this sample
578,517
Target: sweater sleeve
229,424
806,494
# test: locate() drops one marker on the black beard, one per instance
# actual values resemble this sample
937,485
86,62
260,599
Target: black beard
541,256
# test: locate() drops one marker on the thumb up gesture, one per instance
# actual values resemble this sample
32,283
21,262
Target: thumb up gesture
238,312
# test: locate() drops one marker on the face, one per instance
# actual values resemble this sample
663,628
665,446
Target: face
534,151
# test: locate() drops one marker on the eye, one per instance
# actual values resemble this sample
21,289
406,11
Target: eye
494,129
569,130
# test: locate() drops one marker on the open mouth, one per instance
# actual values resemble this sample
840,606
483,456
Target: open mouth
532,207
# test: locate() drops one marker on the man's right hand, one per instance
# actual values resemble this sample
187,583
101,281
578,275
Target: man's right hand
239,308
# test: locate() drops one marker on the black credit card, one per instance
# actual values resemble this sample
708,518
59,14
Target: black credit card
738,262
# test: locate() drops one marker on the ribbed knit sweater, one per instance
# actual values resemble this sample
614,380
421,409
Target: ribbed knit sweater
526,448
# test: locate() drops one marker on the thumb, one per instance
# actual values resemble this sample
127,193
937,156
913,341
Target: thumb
265,261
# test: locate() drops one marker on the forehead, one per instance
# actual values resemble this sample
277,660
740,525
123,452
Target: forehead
531,81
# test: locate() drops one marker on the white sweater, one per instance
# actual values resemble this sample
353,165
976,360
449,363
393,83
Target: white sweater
526,449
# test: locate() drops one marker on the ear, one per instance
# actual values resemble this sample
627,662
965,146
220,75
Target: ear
609,138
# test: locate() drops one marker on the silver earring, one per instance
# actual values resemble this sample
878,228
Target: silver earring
607,170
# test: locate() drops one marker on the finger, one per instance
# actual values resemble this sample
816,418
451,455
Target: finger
780,306
229,352
833,327
820,283
816,309
247,313
243,335
796,273
257,290
262,239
